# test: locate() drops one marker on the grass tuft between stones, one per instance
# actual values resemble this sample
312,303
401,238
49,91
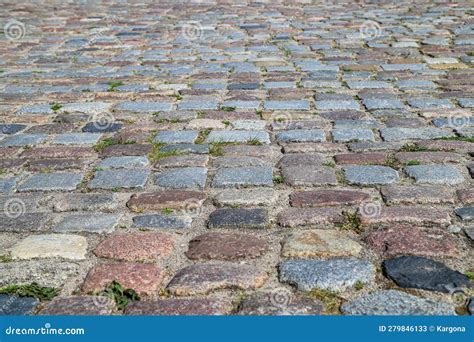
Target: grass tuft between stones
352,222
331,301
156,154
416,148
56,106
110,142
278,179
466,139
31,290
121,296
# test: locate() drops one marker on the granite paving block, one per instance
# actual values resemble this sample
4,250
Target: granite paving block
243,177
182,178
56,181
117,179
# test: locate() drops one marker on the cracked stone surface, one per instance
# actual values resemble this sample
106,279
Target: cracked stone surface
271,148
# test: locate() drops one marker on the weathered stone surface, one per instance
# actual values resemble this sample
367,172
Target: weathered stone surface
402,133
7,185
243,177
435,174
399,214
73,247
238,137
293,217
350,135
161,221
238,218
176,137
144,107
125,162
62,164
466,213
78,306
137,246
334,275
27,222
205,124
98,127
43,272
407,240
272,104
204,278
182,178
180,307
370,175
296,159
394,303
11,305
83,202
24,140
280,302
238,161
287,105
52,182
77,139
466,195
245,197
308,175
301,135
155,201
143,278
182,161
394,194
361,158
226,246
428,157
90,223
322,198
320,243
422,273
186,148
117,179
126,150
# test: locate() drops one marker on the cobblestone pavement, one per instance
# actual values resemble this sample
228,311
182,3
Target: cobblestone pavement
234,158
